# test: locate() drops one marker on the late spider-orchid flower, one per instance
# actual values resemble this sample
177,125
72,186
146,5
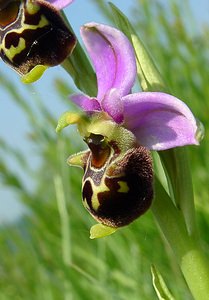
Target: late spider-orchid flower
34,36
120,127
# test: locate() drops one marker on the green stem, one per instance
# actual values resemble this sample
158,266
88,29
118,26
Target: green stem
195,267
176,164
186,249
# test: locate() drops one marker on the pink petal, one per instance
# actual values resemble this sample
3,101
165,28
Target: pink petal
112,56
159,121
60,4
85,102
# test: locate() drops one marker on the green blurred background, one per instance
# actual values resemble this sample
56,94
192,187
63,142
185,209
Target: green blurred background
46,253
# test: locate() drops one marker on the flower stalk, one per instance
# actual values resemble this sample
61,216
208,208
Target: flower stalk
187,250
176,164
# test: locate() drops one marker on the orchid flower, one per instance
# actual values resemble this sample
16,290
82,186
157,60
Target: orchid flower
120,127
33,36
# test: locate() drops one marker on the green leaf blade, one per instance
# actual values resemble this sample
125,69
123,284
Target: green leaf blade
160,287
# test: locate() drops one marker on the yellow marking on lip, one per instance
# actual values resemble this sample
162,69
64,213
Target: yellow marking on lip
96,190
123,187
12,51
43,22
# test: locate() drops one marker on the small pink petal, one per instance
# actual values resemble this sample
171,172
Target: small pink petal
85,102
159,121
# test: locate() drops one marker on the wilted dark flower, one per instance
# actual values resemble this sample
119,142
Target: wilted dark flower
33,35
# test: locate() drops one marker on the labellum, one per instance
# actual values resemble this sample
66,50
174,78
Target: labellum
117,187
32,33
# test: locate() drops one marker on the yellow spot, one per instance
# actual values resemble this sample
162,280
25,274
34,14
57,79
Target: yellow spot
12,51
34,74
123,187
96,190
94,200
43,22
32,8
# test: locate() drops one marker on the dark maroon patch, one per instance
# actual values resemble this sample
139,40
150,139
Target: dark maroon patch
12,39
87,193
8,12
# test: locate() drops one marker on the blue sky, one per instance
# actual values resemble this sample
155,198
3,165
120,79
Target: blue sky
13,125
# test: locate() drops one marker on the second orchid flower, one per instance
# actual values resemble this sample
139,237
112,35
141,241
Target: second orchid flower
33,36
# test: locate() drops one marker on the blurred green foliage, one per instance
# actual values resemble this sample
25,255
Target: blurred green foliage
48,254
